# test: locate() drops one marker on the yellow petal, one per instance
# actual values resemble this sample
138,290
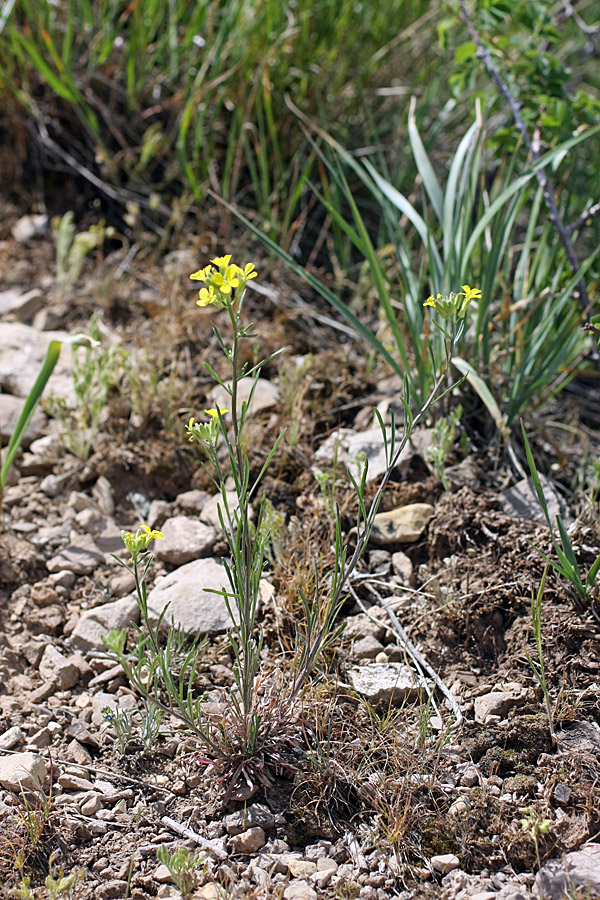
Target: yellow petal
221,261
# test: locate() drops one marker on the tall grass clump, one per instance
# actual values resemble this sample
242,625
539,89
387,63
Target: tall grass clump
151,99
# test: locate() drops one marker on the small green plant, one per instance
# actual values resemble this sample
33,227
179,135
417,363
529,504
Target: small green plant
537,667
583,585
444,437
535,826
96,371
31,402
72,249
134,727
183,866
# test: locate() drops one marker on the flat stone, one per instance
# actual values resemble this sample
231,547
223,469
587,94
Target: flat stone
301,868
192,501
22,353
577,871
403,525
353,447
94,623
384,683
520,502
367,647
266,396
256,815
249,841
21,304
496,703
56,668
210,510
163,875
299,890
11,738
81,557
184,539
403,567
22,771
10,410
192,607
444,863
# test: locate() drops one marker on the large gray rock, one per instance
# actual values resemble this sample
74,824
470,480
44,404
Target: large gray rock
22,352
192,605
10,410
577,872
81,557
184,539
520,502
384,683
96,622
22,771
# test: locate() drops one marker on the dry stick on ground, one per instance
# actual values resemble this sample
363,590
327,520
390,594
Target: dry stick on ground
543,180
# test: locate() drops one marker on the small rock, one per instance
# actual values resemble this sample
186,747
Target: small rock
81,557
496,703
74,783
562,794
56,669
444,863
78,754
211,891
299,890
185,539
22,771
163,875
580,870
19,304
521,502
367,647
210,510
460,808
103,495
10,410
112,890
403,568
255,815
403,525
249,841
11,738
91,805
94,623
28,227
384,683
192,501
301,868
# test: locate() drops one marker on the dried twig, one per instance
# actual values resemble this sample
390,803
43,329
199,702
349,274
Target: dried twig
548,191
590,213
185,832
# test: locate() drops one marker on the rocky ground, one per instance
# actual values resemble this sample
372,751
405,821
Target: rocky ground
384,793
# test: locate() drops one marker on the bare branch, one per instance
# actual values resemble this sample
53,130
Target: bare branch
590,213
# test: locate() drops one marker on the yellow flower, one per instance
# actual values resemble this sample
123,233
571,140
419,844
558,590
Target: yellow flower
151,535
138,543
471,293
206,296
221,261
214,414
201,274
249,272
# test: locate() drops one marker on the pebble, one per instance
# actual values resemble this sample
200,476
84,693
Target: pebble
383,683
367,647
81,557
249,841
299,890
57,669
265,396
11,738
444,863
255,815
403,525
496,703
301,868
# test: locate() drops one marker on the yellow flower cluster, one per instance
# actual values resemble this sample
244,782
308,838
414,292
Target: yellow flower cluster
205,432
138,543
222,278
455,304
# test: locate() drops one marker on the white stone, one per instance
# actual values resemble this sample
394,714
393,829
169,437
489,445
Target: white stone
444,863
249,841
22,353
10,410
299,890
56,668
22,771
11,738
496,703
403,525
383,683
94,623
192,607
184,539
